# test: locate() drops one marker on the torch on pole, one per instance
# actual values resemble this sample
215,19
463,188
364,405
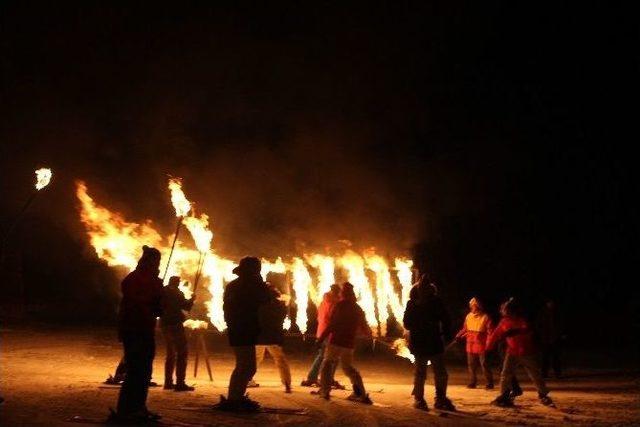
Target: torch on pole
43,177
173,246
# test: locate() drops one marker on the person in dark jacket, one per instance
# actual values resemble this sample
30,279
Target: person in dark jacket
271,315
549,328
521,350
427,321
241,301
346,321
139,308
173,304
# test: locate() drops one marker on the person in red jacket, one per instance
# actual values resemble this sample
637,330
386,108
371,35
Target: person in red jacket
345,322
476,328
329,300
139,308
518,334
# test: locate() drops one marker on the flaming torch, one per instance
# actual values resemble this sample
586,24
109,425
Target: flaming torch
43,177
182,207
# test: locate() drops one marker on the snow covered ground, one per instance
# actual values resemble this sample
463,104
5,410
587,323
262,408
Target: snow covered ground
48,376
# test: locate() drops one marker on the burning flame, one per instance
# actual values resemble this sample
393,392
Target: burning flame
119,243
43,177
400,346
195,324
178,200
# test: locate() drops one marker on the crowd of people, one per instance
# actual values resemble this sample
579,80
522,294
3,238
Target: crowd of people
254,312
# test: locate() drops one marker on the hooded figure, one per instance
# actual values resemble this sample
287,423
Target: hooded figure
139,308
521,351
476,328
346,321
242,300
428,323
271,316
173,304
329,300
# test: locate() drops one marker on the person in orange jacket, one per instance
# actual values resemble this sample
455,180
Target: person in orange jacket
521,350
476,328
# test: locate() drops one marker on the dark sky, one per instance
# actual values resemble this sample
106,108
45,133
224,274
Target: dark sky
483,136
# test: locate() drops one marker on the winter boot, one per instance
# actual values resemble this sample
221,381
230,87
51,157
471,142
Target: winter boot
338,386
322,393
252,384
168,386
444,404
360,398
309,383
287,388
183,387
421,404
503,401
489,386
545,400
515,392
471,385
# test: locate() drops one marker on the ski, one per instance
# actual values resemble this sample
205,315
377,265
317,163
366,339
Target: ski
260,410
79,419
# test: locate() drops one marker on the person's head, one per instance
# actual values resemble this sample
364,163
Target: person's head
510,308
150,260
474,305
273,291
248,266
174,281
347,293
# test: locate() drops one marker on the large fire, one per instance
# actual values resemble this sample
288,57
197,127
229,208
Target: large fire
382,289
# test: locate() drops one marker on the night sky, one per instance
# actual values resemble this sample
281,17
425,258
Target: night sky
484,138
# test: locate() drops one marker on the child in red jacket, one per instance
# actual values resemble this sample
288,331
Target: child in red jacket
475,330
521,350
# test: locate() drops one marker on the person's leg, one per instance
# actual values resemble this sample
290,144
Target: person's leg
170,359
314,372
546,360
419,377
530,364
149,355
441,377
346,360
282,364
244,370
121,371
260,353
556,361
507,374
327,369
472,368
486,369
134,389
182,354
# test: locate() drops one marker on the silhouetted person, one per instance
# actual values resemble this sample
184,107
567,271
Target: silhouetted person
271,315
475,330
140,305
173,304
550,331
242,299
345,322
428,323
329,300
521,351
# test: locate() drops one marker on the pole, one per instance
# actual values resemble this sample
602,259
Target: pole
198,272
15,222
175,238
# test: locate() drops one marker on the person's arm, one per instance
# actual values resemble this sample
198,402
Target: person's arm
496,336
331,320
364,327
408,319
463,331
445,322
